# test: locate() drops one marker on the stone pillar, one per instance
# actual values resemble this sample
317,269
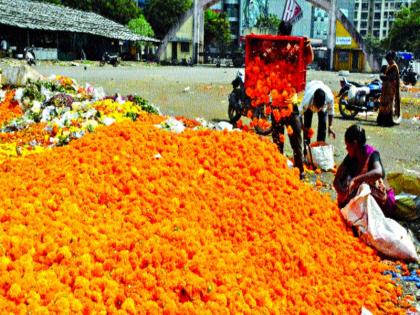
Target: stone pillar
331,32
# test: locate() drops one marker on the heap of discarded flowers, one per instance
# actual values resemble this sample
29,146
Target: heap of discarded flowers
137,219
55,111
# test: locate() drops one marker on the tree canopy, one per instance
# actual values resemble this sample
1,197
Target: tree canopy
216,29
270,22
120,11
404,33
162,14
141,26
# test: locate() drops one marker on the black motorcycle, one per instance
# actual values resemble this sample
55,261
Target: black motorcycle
356,97
240,104
110,59
408,75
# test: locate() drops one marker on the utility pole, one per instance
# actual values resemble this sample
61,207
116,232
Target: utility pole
196,38
331,33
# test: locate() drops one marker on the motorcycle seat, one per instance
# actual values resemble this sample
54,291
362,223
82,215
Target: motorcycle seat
363,90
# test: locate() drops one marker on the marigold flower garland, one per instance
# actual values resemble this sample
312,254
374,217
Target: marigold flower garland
133,219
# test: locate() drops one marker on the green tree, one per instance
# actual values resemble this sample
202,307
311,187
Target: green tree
270,22
375,47
162,14
141,26
404,33
216,29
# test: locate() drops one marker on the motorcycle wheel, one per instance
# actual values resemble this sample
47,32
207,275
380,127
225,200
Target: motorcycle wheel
345,111
259,113
413,79
234,108
102,63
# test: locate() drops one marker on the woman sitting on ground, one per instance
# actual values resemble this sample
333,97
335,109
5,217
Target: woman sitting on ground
362,165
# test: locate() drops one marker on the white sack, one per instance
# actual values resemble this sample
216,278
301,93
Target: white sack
384,234
322,157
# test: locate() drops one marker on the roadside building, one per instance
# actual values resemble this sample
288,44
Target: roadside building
319,31
375,17
58,32
347,54
180,48
320,20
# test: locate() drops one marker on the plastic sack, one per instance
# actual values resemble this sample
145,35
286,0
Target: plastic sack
321,156
407,207
224,125
408,182
172,124
384,234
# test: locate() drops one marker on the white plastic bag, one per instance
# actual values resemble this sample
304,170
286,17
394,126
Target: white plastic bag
224,125
322,156
172,124
384,234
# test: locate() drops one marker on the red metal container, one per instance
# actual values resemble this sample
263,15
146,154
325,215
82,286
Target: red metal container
284,55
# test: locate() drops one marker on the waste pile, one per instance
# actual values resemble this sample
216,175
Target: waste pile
116,215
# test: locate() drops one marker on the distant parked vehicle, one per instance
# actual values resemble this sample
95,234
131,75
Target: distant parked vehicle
405,62
110,59
408,75
356,97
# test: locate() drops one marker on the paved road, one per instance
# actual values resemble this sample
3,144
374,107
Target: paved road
202,92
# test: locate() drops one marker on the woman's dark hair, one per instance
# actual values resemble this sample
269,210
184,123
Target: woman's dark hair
355,133
319,98
390,55
285,28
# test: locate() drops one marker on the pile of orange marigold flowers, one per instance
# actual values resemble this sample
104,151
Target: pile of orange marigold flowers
134,219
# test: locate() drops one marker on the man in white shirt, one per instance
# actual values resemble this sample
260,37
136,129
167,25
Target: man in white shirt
318,98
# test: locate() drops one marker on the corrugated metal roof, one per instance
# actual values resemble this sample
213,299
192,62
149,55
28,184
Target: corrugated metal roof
49,17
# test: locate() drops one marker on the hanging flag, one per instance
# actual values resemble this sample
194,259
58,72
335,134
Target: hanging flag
292,11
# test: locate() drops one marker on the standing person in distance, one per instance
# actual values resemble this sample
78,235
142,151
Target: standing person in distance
390,96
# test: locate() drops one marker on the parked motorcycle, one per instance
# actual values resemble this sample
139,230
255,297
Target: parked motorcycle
110,59
240,103
408,75
356,98
30,56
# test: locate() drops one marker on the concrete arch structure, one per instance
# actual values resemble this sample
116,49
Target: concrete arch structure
323,4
